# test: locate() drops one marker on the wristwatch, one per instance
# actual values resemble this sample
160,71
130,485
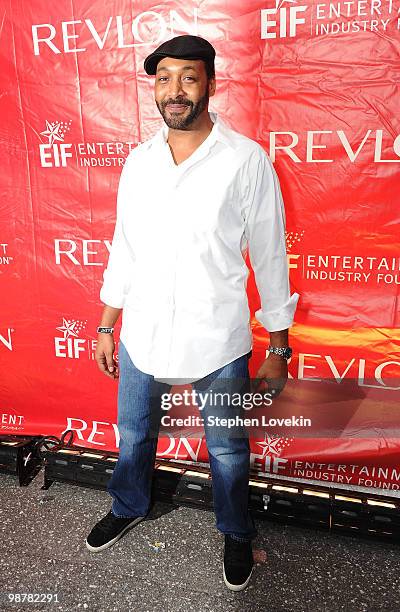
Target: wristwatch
105,330
284,351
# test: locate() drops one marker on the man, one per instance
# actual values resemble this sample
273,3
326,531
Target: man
190,201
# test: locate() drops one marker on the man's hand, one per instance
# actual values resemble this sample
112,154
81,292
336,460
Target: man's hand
104,355
273,371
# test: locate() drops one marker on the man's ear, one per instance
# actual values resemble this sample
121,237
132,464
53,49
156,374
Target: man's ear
211,86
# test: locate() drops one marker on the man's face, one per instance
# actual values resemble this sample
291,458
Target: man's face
182,91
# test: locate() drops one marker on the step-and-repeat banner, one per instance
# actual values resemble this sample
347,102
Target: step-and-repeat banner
316,84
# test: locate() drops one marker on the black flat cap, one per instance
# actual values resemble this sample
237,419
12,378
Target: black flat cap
181,47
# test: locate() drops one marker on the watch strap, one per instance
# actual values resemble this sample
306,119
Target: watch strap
284,351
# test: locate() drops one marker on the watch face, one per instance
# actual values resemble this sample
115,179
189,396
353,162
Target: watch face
288,353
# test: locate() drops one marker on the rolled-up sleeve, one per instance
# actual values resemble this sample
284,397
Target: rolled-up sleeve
117,277
265,233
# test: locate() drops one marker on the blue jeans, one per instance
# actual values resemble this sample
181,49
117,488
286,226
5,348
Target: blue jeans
139,416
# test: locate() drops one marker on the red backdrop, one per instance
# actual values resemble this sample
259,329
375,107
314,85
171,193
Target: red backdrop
317,86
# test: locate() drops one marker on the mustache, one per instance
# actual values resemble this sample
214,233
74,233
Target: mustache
177,101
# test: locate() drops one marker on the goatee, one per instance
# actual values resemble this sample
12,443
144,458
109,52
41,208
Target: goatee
177,121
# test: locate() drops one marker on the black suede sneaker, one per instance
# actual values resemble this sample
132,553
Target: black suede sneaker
108,530
238,563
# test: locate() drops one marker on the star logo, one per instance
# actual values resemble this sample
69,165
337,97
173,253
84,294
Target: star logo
292,238
52,131
56,130
273,445
71,328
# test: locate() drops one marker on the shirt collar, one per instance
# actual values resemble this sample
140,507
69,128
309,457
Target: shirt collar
219,132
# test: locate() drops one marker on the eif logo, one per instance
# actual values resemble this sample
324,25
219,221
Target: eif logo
69,345
269,460
291,239
55,153
287,17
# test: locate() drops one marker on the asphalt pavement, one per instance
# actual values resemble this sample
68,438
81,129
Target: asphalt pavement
172,562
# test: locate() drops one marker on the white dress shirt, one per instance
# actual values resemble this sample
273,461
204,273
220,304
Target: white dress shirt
177,261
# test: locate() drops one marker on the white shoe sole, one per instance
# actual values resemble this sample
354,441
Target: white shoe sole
111,542
236,587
